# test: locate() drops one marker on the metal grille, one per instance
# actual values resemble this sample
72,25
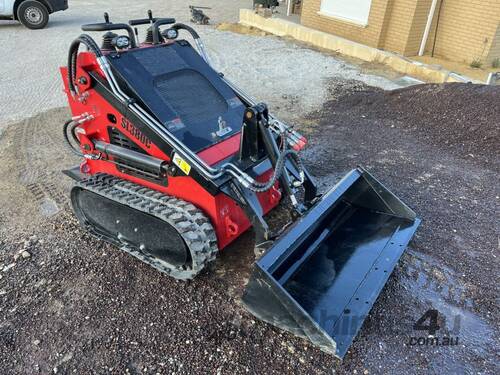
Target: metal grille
119,139
116,137
191,96
158,61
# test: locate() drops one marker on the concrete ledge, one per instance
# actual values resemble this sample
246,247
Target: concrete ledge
281,27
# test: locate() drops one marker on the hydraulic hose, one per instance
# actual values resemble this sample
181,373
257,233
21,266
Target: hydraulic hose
260,187
72,126
189,29
72,57
206,170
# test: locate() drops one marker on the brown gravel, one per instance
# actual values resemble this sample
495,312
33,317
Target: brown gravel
452,263
461,118
77,305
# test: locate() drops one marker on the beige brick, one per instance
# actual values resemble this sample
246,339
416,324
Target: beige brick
398,26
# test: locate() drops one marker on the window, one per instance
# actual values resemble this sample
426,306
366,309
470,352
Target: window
356,11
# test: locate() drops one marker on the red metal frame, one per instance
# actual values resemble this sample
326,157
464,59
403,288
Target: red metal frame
226,216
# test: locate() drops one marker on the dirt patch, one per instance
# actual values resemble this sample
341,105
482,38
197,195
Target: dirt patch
461,118
241,29
32,188
72,302
77,304
417,142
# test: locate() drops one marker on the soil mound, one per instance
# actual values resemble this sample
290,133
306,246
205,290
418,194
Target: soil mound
464,118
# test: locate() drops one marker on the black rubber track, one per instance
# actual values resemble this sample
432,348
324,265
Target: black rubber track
190,222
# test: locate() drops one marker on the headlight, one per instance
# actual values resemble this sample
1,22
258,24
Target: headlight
170,33
121,41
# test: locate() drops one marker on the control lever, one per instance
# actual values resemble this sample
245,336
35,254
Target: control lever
150,20
108,26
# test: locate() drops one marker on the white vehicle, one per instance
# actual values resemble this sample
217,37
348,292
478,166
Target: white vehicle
34,14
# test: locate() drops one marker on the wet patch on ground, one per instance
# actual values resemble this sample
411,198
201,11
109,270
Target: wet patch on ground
452,261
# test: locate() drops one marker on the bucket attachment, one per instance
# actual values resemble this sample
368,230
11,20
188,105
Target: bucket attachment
321,278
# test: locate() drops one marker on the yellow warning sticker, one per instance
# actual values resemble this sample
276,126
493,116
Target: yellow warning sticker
182,164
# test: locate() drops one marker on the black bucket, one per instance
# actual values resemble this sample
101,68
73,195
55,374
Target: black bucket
321,278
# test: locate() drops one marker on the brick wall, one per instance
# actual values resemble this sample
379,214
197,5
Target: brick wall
394,25
419,21
398,26
466,30
495,48
369,34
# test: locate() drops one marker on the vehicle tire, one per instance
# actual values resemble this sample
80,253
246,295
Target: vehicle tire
33,14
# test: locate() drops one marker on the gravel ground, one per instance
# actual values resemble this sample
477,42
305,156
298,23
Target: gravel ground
418,142
30,81
442,113
29,78
71,304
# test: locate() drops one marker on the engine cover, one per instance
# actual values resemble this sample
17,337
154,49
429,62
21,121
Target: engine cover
182,91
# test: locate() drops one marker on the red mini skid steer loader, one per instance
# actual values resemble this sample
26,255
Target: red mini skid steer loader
178,162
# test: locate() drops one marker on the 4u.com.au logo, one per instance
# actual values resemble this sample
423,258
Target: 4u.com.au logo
430,322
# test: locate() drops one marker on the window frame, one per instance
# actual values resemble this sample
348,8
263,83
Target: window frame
343,18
